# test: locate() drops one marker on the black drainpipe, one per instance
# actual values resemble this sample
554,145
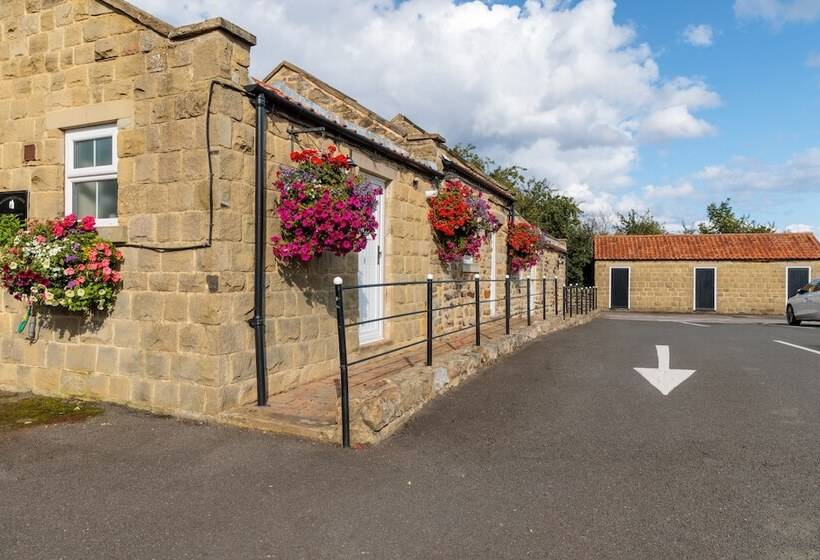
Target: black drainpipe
258,321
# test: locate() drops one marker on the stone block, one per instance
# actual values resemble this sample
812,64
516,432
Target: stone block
196,368
107,359
73,383
119,388
166,395
81,357
191,397
158,336
147,306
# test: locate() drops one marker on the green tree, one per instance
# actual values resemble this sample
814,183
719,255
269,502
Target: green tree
511,176
634,223
538,201
722,219
9,225
560,216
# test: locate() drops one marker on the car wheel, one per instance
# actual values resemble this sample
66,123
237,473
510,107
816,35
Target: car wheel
790,318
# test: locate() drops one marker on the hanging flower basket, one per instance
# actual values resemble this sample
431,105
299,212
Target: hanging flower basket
323,207
62,263
461,221
526,245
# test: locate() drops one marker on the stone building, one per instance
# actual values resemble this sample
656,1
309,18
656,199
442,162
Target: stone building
172,117
729,273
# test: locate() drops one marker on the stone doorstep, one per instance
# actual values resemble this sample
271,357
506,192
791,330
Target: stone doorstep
381,406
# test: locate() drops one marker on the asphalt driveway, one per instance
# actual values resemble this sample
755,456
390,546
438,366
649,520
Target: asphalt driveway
562,450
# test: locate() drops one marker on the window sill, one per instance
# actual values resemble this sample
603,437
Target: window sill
115,234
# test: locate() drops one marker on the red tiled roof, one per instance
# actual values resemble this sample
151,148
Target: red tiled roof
712,247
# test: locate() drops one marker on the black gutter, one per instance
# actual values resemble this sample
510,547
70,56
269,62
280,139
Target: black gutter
285,105
260,246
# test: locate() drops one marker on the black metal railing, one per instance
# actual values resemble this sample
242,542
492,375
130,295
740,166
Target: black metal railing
577,300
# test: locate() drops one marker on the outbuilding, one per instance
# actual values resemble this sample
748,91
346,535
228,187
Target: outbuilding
723,273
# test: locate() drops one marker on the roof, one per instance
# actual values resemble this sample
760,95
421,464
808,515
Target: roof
407,132
178,33
708,247
284,96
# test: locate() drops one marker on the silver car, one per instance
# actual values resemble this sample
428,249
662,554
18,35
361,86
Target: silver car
805,304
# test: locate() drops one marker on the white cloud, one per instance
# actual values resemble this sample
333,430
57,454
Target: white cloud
800,173
669,191
699,35
558,87
778,12
674,122
799,228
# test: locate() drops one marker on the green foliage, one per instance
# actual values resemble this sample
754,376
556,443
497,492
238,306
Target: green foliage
560,216
541,204
634,223
20,411
9,226
511,176
722,219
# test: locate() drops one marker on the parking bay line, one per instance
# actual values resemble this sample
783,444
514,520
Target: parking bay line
693,324
798,347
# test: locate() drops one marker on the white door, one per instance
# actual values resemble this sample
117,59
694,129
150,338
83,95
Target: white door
533,282
371,271
493,275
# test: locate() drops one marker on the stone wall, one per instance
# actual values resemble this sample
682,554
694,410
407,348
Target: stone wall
75,63
668,286
178,340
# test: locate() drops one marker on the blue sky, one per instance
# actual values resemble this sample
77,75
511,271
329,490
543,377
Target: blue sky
644,104
769,90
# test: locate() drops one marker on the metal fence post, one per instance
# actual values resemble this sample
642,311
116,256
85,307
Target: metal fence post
564,302
429,319
340,324
529,307
543,298
477,279
507,303
570,291
595,298
555,293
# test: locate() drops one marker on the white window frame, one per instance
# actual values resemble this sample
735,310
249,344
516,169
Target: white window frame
628,286
695,288
96,173
790,267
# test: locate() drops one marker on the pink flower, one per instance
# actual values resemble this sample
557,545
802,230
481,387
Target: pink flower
69,271
88,223
58,230
69,221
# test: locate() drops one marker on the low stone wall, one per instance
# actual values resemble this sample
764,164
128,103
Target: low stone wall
380,410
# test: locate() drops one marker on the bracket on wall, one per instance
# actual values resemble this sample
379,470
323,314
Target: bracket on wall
293,132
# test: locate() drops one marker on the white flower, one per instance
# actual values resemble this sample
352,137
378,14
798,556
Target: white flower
80,292
69,293
12,265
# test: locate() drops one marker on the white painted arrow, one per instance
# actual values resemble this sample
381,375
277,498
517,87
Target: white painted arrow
663,378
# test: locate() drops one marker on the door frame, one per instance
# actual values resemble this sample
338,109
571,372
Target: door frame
628,286
695,288
493,275
789,267
381,241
